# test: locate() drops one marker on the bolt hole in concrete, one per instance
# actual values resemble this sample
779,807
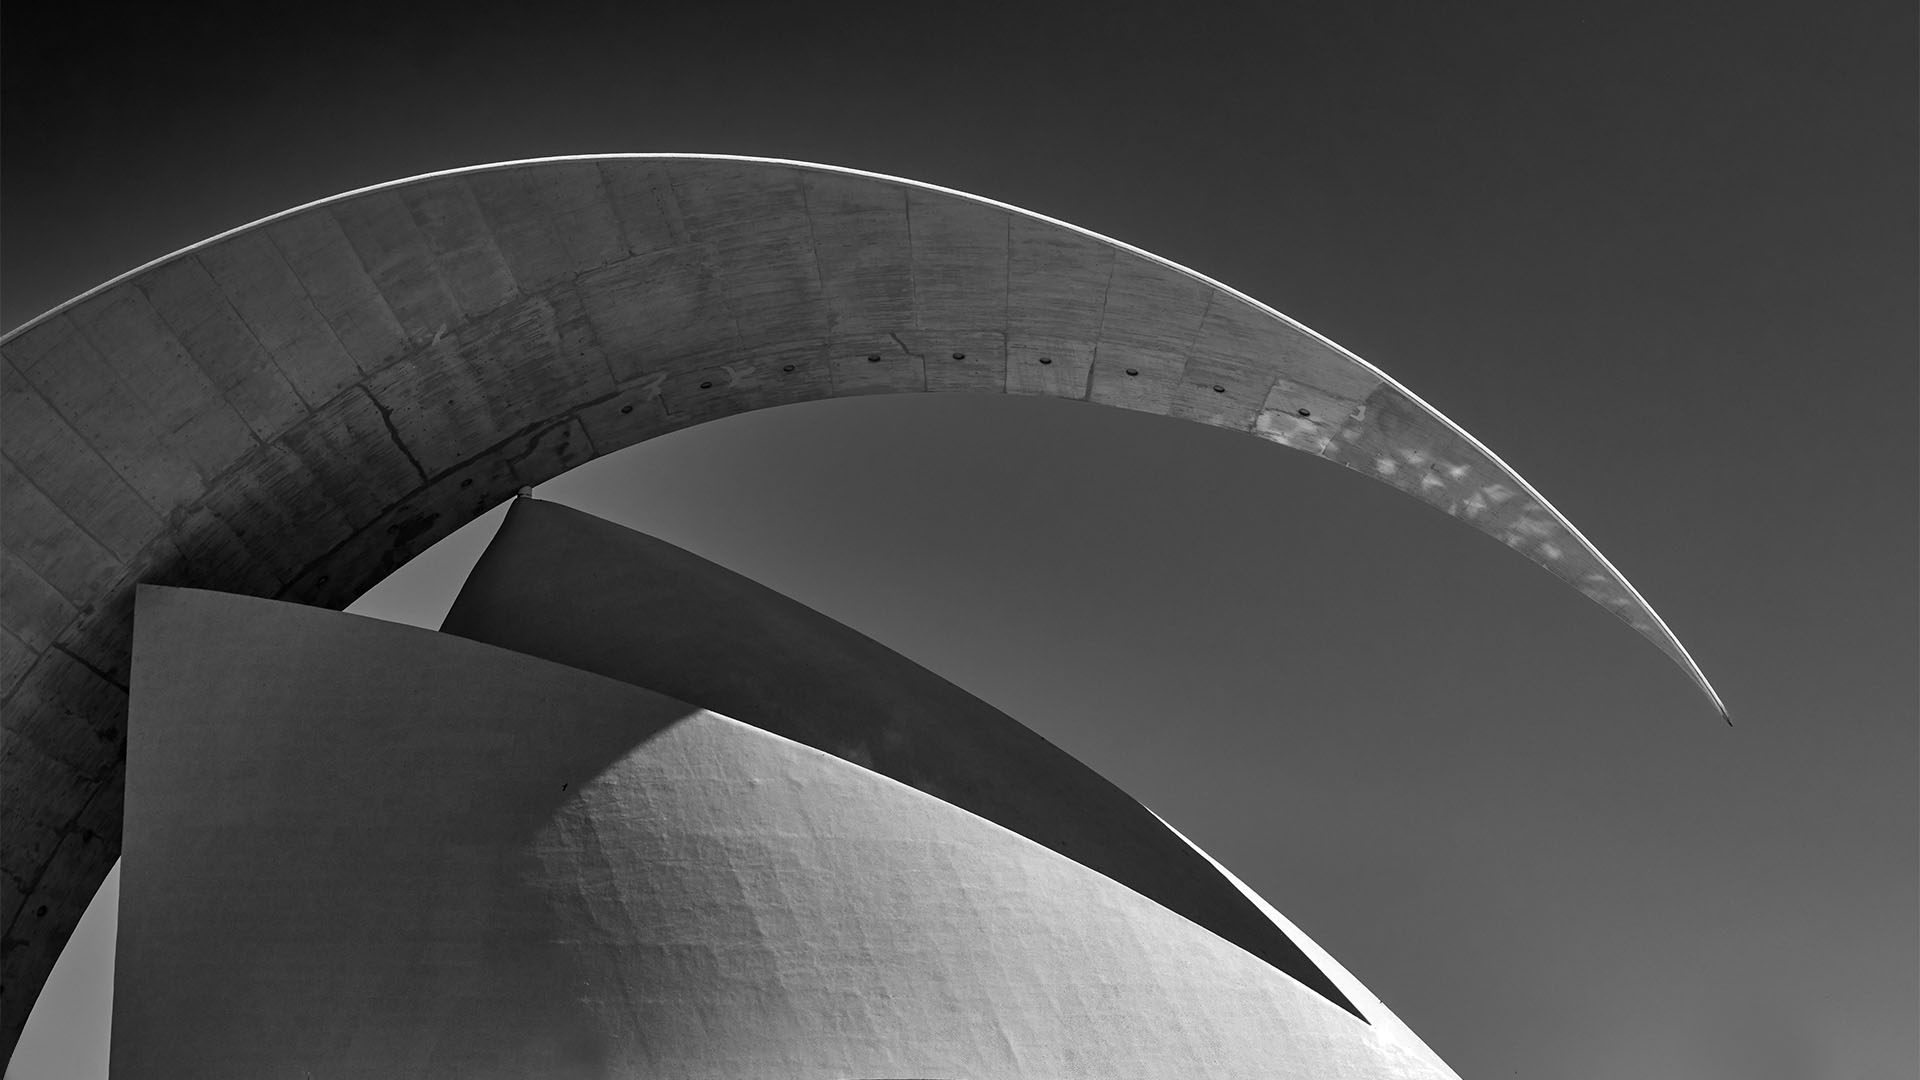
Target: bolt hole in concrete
1218,389
788,369
705,385
1046,359
467,483
873,358
959,356
624,409
1304,412
1133,371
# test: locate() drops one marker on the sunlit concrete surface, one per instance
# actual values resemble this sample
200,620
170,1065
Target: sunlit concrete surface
572,588
295,408
360,849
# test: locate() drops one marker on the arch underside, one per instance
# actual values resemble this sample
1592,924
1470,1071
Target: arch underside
296,408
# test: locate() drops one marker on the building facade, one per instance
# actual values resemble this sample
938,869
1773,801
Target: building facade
293,409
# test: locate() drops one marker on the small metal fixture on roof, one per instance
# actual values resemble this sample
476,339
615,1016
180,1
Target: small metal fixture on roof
525,492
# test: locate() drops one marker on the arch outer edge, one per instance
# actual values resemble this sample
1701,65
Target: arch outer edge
1671,640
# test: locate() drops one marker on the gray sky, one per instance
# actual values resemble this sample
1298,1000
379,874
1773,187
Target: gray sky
1660,257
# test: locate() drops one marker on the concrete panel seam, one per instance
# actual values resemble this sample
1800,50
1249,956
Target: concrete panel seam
820,277
81,605
194,359
301,284
101,787
1006,312
1267,395
613,216
28,887
1106,294
386,417
103,676
1199,329
245,324
171,335
593,332
53,406
719,272
922,357
574,417
913,282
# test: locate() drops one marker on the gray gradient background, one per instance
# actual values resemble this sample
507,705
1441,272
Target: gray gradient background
1659,256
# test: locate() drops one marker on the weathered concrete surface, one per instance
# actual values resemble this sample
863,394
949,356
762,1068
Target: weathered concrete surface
362,849
295,408
572,588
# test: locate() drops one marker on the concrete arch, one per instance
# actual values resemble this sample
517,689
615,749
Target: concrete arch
296,407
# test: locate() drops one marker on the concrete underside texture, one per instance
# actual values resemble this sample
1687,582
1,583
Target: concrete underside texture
362,849
571,588
294,409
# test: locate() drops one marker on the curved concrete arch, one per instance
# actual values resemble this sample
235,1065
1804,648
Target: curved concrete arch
296,407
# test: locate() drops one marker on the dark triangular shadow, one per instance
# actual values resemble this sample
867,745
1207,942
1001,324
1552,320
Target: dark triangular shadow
572,588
